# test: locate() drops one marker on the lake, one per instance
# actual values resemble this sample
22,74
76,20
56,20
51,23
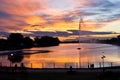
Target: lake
66,55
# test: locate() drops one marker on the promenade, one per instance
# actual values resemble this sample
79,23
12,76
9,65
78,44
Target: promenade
60,74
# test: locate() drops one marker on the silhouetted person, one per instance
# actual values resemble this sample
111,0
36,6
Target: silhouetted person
15,69
71,69
23,69
88,65
91,65
22,65
71,72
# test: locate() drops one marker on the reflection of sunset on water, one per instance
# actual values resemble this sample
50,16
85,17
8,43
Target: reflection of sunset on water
66,55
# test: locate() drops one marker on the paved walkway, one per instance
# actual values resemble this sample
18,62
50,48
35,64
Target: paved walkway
76,70
59,70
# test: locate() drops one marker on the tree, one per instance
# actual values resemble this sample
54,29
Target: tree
17,57
27,42
36,41
46,41
15,40
3,44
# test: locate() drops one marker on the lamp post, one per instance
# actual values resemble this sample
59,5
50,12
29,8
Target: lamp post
11,56
79,58
103,61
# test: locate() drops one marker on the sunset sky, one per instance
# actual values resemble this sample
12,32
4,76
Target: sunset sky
60,18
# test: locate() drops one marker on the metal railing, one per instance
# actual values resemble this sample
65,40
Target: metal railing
61,65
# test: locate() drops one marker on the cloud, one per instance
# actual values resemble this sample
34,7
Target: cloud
67,33
93,3
46,33
19,7
75,32
4,34
4,15
92,10
16,15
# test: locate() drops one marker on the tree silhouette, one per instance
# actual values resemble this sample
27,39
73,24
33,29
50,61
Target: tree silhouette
3,44
27,42
15,40
18,41
17,57
36,41
46,41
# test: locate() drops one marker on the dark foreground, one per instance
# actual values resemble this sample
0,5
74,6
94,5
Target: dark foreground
59,74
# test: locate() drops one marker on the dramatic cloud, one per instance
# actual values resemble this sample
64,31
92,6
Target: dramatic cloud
67,33
57,15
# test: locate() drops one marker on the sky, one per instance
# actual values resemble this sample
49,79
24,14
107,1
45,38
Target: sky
101,18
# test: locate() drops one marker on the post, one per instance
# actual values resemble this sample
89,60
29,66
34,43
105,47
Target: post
103,62
53,65
88,65
111,64
0,64
79,59
100,64
31,65
71,69
76,65
42,65
65,65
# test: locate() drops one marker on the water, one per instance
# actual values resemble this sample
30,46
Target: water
65,55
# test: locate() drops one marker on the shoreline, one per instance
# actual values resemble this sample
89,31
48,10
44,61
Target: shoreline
62,43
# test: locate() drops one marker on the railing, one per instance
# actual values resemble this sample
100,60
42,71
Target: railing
61,65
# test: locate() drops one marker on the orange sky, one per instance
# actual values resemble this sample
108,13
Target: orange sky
29,17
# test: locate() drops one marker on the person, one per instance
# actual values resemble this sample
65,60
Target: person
92,66
15,68
23,69
22,65
71,69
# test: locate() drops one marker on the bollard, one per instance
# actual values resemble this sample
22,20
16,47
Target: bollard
71,69
100,64
53,65
42,65
111,64
31,65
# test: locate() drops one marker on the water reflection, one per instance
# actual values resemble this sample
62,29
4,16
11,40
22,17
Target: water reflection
68,53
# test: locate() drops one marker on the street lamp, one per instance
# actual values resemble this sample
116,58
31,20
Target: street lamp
103,61
79,59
